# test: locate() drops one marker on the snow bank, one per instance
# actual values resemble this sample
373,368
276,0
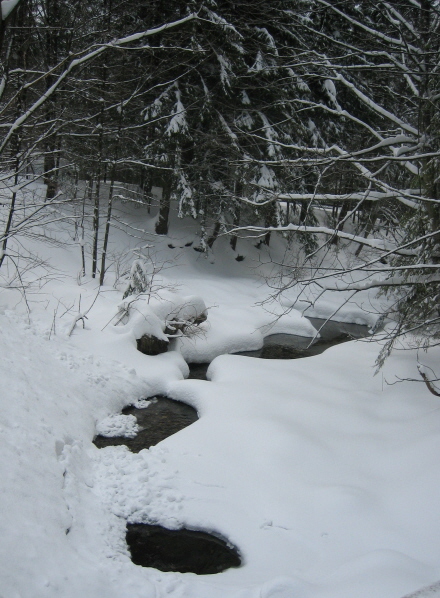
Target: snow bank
230,329
53,543
337,484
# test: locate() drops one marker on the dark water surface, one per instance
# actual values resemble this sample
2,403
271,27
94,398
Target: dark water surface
162,418
291,346
182,550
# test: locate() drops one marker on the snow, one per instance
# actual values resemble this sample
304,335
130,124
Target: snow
118,425
330,89
325,476
144,314
244,97
7,7
178,122
225,70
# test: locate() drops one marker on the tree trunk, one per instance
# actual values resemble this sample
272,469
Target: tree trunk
269,220
303,212
107,224
51,58
342,214
211,240
146,186
164,210
20,104
110,197
237,214
88,191
49,167
12,206
370,219
427,117
98,185
96,225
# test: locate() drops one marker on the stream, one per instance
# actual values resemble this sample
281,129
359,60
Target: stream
186,550
291,346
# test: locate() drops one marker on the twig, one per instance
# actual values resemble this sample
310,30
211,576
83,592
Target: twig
430,386
81,316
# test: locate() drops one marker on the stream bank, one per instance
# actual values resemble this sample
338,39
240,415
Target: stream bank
196,551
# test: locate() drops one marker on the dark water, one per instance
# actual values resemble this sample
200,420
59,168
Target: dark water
162,418
180,550
197,371
290,346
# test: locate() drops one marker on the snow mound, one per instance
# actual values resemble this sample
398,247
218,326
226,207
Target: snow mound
239,329
139,315
143,403
118,425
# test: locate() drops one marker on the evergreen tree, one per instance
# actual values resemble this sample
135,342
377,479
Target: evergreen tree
214,126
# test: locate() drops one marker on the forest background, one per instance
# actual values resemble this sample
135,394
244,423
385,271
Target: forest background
243,115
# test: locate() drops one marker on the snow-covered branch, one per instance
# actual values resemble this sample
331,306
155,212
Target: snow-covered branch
393,281
396,42
379,244
81,60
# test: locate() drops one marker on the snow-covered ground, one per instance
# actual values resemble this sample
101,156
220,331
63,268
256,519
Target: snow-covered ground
325,476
